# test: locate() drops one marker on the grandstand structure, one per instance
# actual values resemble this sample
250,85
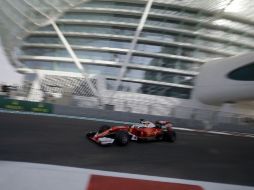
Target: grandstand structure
150,50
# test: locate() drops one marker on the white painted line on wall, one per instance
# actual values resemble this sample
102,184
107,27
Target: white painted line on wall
236,134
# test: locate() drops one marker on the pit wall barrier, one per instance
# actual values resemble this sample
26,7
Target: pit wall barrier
111,115
104,114
21,105
193,124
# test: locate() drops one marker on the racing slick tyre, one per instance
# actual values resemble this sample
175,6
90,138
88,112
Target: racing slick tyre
90,134
122,138
103,128
170,137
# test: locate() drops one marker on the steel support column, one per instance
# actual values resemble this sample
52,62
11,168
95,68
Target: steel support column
74,57
133,43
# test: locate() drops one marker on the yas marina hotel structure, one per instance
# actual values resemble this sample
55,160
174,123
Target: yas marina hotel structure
147,48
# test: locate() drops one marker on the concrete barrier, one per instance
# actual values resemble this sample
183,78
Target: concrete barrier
105,114
135,117
21,105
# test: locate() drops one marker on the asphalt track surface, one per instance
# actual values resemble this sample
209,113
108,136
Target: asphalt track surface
59,141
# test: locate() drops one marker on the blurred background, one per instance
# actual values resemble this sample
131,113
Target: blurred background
181,58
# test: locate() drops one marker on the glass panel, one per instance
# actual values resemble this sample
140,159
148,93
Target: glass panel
43,39
115,5
156,49
233,24
204,42
151,89
204,55
67,67
149,48
247,39
163,24
171,23
91,69
167,10
45,65
162,10
96,29
98,42
102,70
172,37
83,54
228,35
101,17
45,52
71,67
46,28
165,62
174,50
159,76
158,36
165,91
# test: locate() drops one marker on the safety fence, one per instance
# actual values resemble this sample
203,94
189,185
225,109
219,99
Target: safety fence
166,109
194,120
127,103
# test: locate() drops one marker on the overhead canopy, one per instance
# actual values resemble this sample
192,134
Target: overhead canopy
240,8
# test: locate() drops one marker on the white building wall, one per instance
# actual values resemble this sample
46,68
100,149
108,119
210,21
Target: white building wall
215,88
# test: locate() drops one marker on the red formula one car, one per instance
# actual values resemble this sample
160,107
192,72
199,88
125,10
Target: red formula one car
143,131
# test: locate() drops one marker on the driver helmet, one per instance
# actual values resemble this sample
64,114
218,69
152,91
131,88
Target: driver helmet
157,123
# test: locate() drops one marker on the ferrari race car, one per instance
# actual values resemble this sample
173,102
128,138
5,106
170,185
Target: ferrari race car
143,131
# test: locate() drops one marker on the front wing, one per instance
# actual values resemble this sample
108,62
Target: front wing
100,140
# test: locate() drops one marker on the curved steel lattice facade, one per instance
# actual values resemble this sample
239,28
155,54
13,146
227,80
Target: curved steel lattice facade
19,17
175,41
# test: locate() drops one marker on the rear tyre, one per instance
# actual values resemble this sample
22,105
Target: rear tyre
160,138
170,137
103,128
122,138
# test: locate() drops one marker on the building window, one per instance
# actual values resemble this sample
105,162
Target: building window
245,73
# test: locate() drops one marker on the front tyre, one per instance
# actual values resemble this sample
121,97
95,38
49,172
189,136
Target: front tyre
122,138
170,137
90,134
